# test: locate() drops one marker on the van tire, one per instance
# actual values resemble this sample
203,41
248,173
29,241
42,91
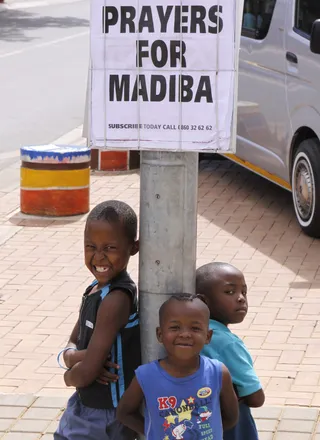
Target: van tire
305,182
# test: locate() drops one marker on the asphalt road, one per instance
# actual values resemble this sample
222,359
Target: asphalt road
44,54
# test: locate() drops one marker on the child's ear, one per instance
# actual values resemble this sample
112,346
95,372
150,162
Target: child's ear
159,335
209,336
135,248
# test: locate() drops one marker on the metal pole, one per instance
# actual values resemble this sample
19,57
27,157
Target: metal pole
168,235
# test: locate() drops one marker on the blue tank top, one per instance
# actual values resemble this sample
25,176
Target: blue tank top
186,408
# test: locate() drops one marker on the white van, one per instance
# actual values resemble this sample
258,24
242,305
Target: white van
279,100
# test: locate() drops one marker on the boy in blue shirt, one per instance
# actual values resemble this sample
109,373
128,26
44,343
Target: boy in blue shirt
187,396
225,290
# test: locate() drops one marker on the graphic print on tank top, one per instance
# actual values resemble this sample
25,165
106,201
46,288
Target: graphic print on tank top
188,418
182,408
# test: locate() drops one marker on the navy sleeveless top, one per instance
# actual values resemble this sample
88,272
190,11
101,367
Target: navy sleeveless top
182,408
126,348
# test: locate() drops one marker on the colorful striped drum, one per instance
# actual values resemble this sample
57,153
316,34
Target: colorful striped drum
55,180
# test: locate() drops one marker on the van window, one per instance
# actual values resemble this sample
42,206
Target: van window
257,17
307,11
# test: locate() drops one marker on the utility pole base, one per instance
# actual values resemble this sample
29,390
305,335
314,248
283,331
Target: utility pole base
168,233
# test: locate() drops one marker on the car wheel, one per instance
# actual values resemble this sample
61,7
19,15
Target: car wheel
305,182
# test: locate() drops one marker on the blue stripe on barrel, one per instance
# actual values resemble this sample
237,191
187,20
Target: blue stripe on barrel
55,154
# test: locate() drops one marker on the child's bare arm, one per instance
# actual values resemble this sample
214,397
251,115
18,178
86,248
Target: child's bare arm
73,356
254,400
128,411
228,401
113,315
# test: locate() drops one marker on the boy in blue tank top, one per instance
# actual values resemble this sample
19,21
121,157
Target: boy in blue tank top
225,290
107,333
186,396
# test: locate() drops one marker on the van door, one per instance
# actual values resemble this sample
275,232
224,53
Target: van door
262,108
303,66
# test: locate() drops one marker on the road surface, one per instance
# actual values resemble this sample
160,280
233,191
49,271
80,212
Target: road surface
44,53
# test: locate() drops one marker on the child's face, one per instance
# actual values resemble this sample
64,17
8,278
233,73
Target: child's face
106,249
228,297
184,329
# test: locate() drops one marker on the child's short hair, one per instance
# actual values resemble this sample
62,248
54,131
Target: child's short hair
207,274
180,297
116,211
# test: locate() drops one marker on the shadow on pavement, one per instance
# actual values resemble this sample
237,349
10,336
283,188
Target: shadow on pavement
258,213
32,221
15,23
246,220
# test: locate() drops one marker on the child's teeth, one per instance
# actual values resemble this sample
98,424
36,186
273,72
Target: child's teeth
101,269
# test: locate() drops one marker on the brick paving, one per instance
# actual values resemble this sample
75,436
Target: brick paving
37,418
242,219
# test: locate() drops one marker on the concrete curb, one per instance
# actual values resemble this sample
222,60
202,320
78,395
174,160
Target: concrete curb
73,137
10,173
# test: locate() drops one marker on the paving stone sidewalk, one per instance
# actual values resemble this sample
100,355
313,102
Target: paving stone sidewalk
34,418
242,219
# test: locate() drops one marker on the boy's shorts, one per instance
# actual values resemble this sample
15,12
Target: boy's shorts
80,422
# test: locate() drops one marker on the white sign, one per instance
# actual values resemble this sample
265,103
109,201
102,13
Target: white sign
164,74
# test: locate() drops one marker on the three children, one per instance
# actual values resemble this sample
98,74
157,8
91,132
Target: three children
190,393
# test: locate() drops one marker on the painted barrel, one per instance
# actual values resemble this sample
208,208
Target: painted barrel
55,180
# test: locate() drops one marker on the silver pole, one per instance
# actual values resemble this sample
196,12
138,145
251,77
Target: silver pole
168,231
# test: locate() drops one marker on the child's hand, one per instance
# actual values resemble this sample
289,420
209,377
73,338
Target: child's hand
106,376
73,356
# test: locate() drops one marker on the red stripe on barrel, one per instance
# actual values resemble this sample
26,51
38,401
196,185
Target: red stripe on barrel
55,202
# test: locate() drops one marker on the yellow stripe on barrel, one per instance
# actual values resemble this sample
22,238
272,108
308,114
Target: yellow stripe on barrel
31,178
